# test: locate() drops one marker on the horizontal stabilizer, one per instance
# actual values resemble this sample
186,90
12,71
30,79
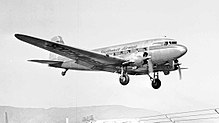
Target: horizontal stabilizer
46,61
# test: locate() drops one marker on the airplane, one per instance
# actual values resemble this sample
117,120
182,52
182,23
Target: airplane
138,58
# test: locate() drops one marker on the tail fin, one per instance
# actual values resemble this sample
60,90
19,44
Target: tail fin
53,56
57,39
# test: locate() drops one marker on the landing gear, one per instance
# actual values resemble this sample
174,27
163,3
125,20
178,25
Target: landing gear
64,72
124,78
155,81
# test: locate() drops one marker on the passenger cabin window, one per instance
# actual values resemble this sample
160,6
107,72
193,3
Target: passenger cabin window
127,51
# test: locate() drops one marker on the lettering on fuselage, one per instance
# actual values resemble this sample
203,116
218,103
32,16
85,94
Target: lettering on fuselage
131,48
118,49
110,50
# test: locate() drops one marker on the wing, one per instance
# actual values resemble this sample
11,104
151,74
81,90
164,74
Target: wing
93,59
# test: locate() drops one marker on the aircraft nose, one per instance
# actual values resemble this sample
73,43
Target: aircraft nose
182,49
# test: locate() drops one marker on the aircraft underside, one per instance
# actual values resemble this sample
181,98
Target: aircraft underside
125,71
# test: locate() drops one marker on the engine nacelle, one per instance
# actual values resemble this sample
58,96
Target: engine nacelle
138,61
168,66
139,58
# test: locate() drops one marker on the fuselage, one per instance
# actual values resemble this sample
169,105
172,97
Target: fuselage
162,52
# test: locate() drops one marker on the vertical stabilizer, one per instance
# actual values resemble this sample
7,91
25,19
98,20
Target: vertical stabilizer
53,56
57,39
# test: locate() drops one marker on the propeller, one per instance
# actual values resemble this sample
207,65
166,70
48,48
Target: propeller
150,64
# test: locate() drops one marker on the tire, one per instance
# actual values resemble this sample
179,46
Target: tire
156,83
124,79
63,73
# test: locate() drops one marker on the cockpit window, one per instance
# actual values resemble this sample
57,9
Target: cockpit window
170,42
173,42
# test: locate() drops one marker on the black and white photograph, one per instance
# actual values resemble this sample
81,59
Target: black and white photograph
109,61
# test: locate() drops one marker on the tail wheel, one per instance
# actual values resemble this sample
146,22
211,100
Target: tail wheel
64,72
156,83
124,79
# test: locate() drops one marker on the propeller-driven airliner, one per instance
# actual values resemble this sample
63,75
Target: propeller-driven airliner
144,57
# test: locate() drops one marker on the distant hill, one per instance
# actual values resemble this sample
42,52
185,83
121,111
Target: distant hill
75,115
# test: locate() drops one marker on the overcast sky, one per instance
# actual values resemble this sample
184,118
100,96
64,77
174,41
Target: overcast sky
90,24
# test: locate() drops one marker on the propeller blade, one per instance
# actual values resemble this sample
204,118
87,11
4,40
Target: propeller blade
180,73
150,66
183,68
179,68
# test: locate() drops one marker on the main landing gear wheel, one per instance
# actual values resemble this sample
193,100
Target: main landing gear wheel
156,83
124,79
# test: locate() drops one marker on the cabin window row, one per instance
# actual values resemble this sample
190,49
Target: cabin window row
128,51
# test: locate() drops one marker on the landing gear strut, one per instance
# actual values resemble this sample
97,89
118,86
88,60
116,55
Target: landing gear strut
124,78
64,72
155,81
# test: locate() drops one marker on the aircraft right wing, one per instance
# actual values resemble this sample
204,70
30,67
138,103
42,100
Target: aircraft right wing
92,59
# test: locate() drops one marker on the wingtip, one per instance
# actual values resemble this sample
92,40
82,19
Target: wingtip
22,37
29,60
18,36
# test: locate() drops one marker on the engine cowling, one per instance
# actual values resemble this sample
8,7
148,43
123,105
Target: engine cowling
139,59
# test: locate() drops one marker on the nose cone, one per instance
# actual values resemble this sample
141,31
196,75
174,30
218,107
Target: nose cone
182,50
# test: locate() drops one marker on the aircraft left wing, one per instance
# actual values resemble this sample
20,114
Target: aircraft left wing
91,58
